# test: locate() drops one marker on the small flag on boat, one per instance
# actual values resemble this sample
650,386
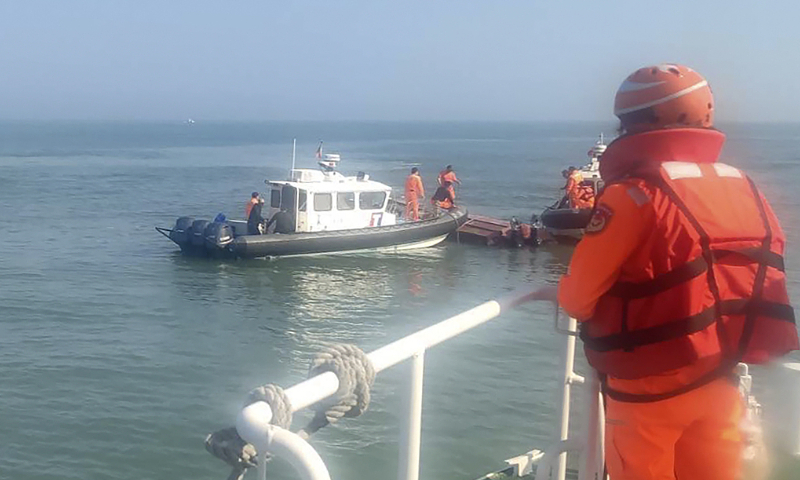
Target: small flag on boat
319,151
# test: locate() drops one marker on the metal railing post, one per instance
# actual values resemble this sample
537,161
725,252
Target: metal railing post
593,458
568,378
408,468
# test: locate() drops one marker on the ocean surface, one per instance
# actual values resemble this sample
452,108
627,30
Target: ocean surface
118,355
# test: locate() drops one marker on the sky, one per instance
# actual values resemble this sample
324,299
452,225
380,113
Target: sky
432,60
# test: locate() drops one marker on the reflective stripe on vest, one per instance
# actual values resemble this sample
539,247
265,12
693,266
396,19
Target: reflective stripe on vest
729,323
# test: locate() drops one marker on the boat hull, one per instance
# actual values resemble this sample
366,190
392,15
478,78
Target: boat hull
400,237
393,237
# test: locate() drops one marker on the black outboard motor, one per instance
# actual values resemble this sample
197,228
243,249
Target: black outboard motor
218,236
182,231
198,234
515,238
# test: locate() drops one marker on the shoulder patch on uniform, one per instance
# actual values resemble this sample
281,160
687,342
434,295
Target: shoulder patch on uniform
638,196
600,217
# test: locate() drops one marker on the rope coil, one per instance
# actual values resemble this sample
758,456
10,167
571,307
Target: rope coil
278,402
356,375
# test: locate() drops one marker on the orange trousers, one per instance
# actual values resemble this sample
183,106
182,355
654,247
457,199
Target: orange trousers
412,208
694,436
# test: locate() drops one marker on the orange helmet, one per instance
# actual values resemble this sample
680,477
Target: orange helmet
664,96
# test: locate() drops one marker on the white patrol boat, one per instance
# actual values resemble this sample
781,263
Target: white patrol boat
329,212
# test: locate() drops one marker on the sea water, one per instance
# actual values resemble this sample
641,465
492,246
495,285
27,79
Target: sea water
118,355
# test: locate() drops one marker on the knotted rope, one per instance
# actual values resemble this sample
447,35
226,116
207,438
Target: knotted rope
355,373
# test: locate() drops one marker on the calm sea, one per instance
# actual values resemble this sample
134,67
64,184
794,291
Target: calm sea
118,355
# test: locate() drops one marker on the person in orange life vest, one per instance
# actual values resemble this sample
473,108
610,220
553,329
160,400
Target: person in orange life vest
579,195
443,197
254,199
448,175
690,282
414,193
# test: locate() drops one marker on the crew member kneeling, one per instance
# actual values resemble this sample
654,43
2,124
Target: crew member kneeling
443,197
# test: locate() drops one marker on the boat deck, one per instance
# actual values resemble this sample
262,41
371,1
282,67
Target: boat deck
488,231
482,230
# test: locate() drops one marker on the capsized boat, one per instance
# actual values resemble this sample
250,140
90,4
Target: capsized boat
560,221
330,212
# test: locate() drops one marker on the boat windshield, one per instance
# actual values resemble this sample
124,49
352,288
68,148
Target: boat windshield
371,200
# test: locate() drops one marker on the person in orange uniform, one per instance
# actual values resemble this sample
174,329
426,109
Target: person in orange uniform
254,199
449,175
443,197
689,283
579,195
414,193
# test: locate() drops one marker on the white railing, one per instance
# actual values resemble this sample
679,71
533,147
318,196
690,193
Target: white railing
253,422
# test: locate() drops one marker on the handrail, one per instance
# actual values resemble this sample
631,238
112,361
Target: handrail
253,422
318,388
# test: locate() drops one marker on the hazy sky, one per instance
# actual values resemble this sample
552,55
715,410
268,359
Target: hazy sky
400,60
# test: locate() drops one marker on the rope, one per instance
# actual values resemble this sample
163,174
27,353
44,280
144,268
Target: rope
228,446
355,373
277,400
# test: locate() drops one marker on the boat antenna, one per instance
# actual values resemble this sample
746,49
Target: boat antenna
294,150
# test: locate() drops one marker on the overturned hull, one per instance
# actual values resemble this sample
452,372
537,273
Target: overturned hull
386,238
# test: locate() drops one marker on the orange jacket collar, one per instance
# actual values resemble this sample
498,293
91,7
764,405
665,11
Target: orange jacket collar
628,153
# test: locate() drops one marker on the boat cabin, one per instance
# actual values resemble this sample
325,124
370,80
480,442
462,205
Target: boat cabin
322,200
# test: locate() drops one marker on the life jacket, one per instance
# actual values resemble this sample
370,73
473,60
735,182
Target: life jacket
443,198
580,195
249,207
445,176
714,288
583,197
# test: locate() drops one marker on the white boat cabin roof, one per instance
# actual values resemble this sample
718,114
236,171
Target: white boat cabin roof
318,181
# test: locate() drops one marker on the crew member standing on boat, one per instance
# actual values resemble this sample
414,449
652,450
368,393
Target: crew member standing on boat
254,219
250,203
448,175
414,193
688,282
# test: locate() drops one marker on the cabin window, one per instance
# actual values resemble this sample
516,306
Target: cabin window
275,198
371,200
301,201
345,201
322,202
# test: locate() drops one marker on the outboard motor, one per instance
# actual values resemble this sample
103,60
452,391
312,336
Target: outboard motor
515,237
182,231
198,231
218,236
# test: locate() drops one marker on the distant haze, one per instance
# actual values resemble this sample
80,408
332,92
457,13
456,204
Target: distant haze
379,60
